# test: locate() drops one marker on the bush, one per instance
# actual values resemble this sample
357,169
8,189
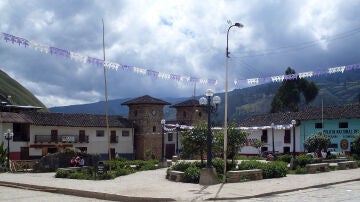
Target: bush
181,166
62,173
106,176
304,159
272,169
218,164
300,170
285,158
123,171
192,174
249,165
78,175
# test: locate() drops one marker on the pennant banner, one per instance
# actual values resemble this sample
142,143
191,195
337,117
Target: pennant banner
280,78
172,127
98,62
162,75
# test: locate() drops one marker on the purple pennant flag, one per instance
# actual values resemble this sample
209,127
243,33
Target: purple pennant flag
14,39
127,68
174,77
58,51
290,76
194,80
152,73
211,81
95,61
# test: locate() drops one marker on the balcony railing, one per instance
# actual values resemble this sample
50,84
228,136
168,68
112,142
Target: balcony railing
61,138
114,139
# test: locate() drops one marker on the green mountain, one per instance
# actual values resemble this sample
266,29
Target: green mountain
19,94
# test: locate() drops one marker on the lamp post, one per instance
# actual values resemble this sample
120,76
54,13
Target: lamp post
208,174
226,92
177,138
162,140
293,159
8,136
273,141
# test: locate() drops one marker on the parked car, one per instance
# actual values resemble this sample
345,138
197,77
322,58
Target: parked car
266,153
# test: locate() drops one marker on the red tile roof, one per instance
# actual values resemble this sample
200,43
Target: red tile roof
146,99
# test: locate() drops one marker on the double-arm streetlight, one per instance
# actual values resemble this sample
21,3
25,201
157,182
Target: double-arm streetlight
293,159
226,91
210,107
8,136
162,140
273,141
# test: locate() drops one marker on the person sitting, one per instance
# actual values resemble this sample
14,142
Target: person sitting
77,161
72,162
82,162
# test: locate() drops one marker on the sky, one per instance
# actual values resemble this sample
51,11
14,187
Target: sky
181,37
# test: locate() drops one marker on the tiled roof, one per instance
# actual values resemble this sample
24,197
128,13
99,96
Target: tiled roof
146,99
76,120
187,103
9,117
331,112
281,118
309,113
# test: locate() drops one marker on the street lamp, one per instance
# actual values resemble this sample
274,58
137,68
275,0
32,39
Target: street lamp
273,142
208,174
162,141
226,91
293,159
8,136
177,138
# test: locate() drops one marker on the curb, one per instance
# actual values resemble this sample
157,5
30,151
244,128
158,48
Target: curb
280,192
81,193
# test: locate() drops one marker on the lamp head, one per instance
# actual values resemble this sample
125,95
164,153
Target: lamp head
202,101
163,122
209,92
216,100
293,122
239,25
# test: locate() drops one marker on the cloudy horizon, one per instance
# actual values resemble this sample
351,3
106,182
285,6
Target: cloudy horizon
181,37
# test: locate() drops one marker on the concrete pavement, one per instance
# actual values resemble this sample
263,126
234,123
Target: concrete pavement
152,186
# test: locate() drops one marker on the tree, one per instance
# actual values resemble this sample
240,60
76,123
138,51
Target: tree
355,145
194,141
258,144
317,142
3,154
236,139
288,95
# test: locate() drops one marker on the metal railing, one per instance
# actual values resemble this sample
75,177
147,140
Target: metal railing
61,138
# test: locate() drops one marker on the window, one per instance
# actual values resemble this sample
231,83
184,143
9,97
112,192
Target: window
81,136
287,136
343,125
264,136
286,150
318,125
100,133
21,132
54,135
184,114
113,138
135,113
264,149
154,128
199,114
170,137
125,133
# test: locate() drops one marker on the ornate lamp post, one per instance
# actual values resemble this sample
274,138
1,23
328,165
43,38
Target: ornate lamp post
208,175
163,160
177,138
8,136
226,92
273,141
293,159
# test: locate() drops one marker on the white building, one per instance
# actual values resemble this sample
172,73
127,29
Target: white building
39,133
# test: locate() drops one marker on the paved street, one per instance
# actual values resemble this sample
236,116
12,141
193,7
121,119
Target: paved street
340,192
22,195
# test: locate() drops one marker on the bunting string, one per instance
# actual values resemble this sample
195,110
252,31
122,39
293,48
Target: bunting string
172,127
98,62
163,75
280,78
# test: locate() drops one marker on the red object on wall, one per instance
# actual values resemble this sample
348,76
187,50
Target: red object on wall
14,155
